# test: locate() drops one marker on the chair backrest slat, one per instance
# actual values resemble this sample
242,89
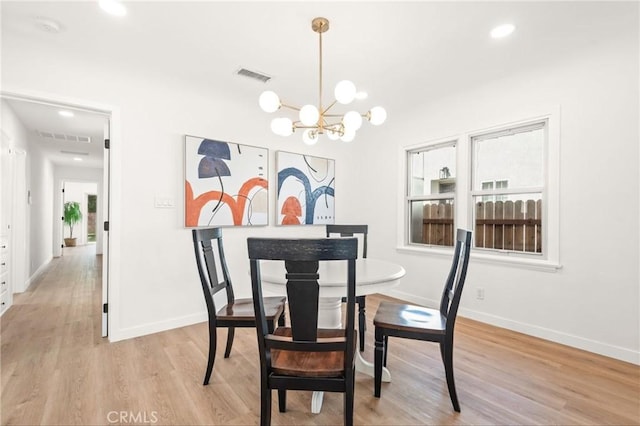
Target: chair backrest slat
350,231
302,257
303,295
207,243
455,281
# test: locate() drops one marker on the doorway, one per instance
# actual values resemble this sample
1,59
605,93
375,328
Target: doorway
73,151
80,192
92,200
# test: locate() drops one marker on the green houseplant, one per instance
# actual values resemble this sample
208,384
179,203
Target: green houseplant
71,216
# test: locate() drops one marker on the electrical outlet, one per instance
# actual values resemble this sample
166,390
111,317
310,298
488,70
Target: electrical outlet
480,293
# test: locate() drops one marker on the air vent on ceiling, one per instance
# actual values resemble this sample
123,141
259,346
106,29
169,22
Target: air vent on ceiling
64,137
254,75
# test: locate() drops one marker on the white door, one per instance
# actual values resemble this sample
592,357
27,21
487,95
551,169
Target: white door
105,234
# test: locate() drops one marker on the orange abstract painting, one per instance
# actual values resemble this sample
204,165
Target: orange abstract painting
225,184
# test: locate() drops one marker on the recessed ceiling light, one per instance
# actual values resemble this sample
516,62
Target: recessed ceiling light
113,7
361,95
77,159
65,113
502,30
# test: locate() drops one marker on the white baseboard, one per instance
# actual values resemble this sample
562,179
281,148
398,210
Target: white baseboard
423,301
612,351
35,275
156,327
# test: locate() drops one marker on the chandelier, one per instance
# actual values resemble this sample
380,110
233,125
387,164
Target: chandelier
318,120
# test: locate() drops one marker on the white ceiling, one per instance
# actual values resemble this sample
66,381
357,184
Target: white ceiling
62,139
401,53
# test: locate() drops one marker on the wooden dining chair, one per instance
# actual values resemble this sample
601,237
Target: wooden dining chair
214,277
303,356
417,322
350,231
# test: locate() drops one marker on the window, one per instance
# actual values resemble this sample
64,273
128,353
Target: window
488,185
431,193
509,217
504,188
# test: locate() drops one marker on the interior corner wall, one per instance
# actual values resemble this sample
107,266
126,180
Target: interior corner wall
593,301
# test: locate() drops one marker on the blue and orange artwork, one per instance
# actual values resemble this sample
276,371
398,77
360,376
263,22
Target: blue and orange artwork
306,189
226,184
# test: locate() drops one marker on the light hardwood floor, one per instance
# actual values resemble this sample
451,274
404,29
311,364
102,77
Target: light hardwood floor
56,369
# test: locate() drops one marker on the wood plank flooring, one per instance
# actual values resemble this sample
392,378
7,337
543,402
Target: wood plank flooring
56,369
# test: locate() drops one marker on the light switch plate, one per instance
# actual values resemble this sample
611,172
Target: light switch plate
164,202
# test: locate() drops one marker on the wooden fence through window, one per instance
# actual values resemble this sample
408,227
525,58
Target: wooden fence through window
503,225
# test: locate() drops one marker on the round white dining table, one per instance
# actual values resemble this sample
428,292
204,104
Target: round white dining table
372,276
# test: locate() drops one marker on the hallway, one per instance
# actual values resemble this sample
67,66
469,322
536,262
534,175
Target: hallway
49,336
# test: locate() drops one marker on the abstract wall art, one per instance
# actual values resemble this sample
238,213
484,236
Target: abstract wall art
306,189
226,184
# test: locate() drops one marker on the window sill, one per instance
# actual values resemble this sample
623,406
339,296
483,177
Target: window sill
494,259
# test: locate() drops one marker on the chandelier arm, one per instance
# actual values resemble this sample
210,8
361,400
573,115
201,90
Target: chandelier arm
329,107
338,124
283,105
303,126
366,115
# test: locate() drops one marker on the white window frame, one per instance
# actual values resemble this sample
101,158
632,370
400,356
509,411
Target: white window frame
494,185
494,192
463,199
425,197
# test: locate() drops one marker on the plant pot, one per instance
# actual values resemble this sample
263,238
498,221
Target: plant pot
70,242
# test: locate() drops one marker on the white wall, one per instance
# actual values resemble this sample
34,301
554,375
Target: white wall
41,219
592,302
153,277
12,126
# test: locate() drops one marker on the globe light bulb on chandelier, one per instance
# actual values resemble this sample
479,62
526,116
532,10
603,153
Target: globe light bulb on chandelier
318,120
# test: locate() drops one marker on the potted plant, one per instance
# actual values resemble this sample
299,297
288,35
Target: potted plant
71,216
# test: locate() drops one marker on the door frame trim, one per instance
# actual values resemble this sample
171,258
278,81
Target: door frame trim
113,265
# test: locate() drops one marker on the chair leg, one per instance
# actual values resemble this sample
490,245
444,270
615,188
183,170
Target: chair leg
265,406
282,400
362,320
377,364
447,350
386,350
231,331
212,352
349,400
